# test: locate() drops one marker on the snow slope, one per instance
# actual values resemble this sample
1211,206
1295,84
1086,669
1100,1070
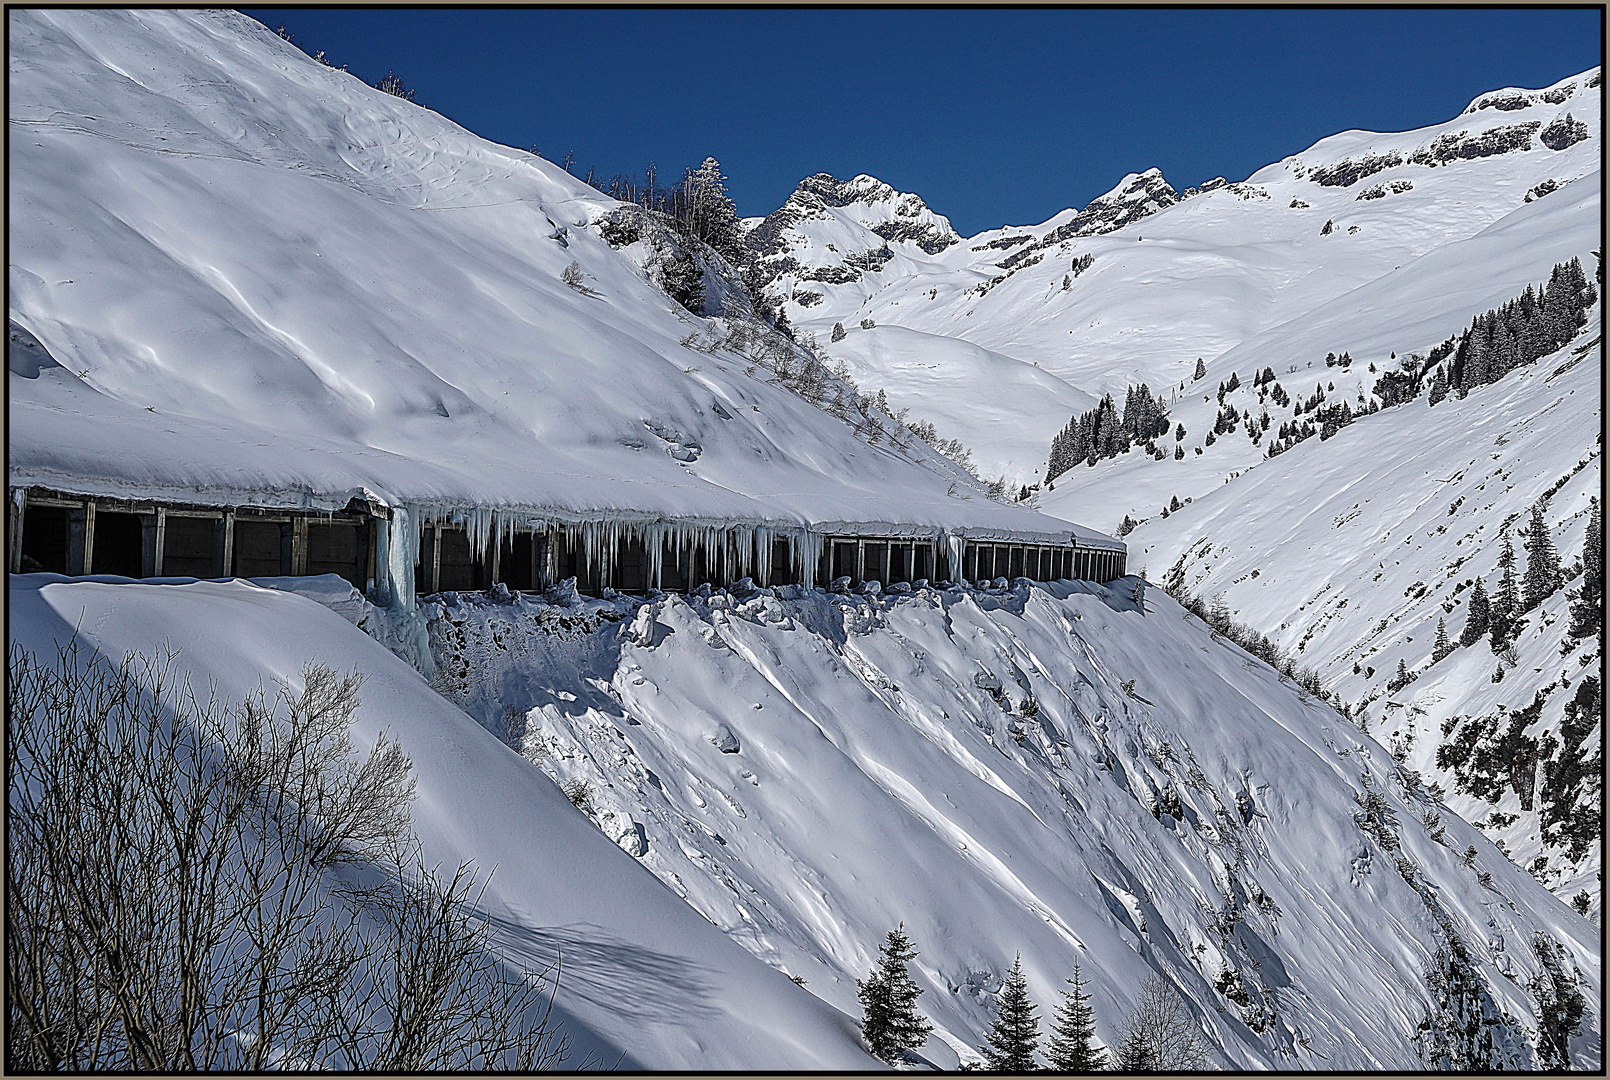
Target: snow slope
643,975
258,275
1245,276
994,404
808,770
1402,511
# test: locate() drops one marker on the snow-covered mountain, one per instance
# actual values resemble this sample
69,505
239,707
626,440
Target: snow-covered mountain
645,982
1157,278
234,270
1369,246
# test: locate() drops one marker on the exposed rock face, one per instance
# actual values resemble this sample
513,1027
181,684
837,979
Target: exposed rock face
1137,196
888,216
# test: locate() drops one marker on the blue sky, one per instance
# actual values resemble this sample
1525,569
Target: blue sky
994,117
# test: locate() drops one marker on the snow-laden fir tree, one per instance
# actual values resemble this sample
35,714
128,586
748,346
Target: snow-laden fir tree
1574,780
1012,1039
704,211
838,332
1560,1005
1073,1048
1401,679
890,1020
1543,578
1442,646
1506,600
1587,605
1201,369
1478,615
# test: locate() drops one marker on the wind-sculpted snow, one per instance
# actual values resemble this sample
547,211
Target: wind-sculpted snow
644,982
1058,770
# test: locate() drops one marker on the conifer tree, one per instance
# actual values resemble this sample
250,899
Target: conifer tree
703,209
1465,1030
1506,600
1442,646
1543,576
1587,609
1073,1033
838,332
1478,616
888,996
1201,369
1560,1004
1439,387
1015,1034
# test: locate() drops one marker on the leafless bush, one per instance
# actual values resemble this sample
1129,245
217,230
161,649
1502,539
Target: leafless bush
580,794
194,886
391,83
1162,1035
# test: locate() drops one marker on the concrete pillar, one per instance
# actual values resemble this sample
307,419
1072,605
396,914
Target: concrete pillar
298,546
435,578
89,537
159,542
373,560
229,543
15,508
75,541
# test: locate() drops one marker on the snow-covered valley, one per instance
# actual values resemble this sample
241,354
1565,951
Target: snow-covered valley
243,280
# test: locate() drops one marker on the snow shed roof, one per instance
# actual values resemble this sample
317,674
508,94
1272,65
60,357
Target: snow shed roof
257,280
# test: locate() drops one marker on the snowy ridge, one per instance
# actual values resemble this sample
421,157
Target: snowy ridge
805,769
1211,268
262,279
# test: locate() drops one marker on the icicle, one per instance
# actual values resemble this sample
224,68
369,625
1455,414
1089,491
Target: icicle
956,547
806,546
